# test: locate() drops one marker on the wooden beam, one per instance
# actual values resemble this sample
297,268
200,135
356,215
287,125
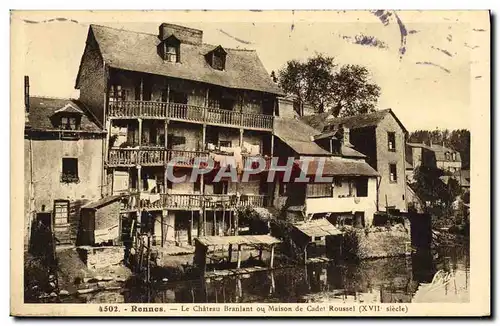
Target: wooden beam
140,131
238,265
191,230
204,137
215,222
271,263
229,253
272,145
141,89
139,180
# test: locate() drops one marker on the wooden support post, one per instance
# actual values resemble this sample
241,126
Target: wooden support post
139,182
229,253
162,242
191,230
223,219
141,89
241,137
140,131
214,216
271,263
204,221
200,223
272,145
238,265
204,137
236,222
260,253
168,92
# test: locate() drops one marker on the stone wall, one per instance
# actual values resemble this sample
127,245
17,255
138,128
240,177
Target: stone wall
378,242
93,79
101,257
391,193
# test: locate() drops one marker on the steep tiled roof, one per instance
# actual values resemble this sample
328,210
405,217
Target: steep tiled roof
136,51
339,166
323,121
298,136
43,111
440,153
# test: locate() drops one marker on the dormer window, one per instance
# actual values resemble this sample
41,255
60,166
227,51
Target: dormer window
169,49
69,123
171,53
67,117
217,58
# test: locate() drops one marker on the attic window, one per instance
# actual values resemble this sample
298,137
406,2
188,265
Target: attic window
171,53
217,58
69,123
169,49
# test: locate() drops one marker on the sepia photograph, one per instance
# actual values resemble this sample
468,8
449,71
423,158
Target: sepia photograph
308,162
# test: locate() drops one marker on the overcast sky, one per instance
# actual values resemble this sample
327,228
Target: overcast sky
423,61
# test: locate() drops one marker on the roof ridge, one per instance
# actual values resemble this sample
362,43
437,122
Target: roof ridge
123,29
53,97
151,34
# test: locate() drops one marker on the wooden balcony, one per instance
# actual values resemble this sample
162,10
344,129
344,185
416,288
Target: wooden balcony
189,113
185,158
129,157
134,156
192,202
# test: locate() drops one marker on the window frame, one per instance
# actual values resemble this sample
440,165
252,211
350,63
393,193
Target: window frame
68,176
395,179
64,219
391,140
325,190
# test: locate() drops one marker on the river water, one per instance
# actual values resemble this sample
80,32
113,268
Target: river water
441,276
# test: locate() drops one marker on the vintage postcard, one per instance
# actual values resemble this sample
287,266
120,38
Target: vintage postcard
250,163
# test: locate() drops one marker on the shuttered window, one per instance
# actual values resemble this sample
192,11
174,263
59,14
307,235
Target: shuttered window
61,211
316,190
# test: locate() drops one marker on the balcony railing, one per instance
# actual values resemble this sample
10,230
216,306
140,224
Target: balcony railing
134,156
152,156
185,112
185,158
192,201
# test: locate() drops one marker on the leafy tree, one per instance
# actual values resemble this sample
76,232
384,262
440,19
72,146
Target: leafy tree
344,90
428,186
352,91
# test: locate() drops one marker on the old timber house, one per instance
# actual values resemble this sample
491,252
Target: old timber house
171,95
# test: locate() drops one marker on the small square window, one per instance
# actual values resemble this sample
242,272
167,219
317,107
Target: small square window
69,170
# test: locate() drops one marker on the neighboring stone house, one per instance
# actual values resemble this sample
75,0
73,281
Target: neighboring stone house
63,150
170,95
381,137
349,199
434,155
442,157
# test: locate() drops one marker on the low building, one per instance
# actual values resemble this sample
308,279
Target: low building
351,194
381,137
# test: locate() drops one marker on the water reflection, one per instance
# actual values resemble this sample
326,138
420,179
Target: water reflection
401,279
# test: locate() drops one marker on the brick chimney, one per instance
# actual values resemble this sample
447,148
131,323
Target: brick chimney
346,136
183,34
